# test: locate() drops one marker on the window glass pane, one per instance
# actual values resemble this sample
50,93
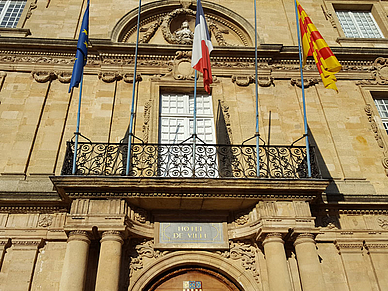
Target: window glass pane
358,24
10,12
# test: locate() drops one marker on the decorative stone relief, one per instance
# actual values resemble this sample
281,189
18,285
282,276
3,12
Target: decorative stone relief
243,80
45,220
383,222
140,215
265,81
329,222
329,16
183,35
142,250
218,33
181,66
147,116
307,82
31,59
150,31
379,73
378,137
43,77
242,218
110,77
128,78
63,77
33,6
246,253
225,112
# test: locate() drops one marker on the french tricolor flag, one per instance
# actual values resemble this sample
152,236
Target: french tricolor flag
202,47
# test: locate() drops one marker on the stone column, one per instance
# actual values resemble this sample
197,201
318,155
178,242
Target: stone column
108,272
75,263
275,256
308,263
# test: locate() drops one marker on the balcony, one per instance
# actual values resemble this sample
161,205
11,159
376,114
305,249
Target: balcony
177,161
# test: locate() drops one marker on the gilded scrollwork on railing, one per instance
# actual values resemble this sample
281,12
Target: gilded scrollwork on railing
176,160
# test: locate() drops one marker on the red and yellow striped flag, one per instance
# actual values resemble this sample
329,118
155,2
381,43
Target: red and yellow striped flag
314,45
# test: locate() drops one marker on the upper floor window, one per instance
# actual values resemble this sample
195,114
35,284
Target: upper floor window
382,108
177,118
359,24
10,12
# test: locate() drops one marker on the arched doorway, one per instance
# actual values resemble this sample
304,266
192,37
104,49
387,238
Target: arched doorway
188,277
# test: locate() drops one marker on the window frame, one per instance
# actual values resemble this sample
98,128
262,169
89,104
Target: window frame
352,15
377,11
22,17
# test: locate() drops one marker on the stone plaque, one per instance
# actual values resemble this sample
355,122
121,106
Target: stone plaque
193,235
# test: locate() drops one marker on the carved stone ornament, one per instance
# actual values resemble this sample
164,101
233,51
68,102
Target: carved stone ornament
45,220
109,77
149,32
226,114
140,215
128,78
63,77
32,7
143,249
329,16
243,80
383,223
147,116
242,218
43,77
307,82
379,73
181,66
329,222
378,136
182,35
244,252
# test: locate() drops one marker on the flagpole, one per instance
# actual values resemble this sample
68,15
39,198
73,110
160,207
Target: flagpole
303,94
133,96
77,133
257,103
194,120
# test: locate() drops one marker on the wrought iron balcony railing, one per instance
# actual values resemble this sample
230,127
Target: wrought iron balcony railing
176,160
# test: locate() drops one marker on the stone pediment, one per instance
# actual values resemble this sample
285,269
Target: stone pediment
173,22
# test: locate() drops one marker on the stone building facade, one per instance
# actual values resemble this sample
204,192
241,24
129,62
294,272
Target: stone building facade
169,225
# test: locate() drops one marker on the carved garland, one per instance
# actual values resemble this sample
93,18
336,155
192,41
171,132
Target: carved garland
168,36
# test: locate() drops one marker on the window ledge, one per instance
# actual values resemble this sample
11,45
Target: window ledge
367,41
14,32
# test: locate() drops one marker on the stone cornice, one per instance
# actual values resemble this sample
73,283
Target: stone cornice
80,186
66,47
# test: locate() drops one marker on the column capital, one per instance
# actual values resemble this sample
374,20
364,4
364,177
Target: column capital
79,235
305,237
273,237
112,235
